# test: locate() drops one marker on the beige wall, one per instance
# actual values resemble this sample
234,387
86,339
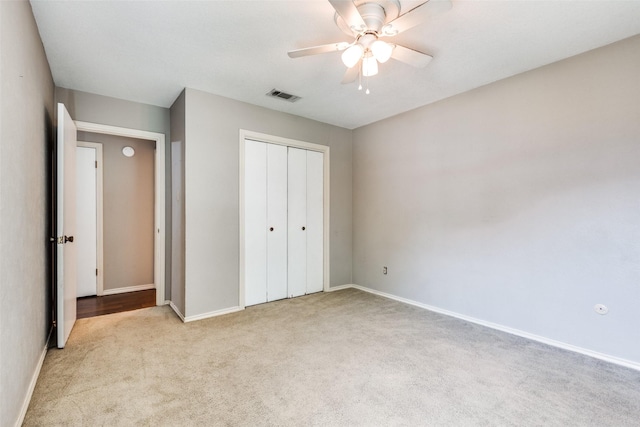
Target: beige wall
516,203
212,145
26,115
128,202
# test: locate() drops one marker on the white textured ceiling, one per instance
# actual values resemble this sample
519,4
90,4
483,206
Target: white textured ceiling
148,51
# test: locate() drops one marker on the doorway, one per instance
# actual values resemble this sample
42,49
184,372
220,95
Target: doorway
127,171
157,188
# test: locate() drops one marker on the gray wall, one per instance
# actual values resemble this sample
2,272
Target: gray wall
26,94
100,109
212,193
128,213
177,204
516,203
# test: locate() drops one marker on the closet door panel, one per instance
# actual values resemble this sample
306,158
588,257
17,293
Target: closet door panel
276,222
297,242
255,217
315,222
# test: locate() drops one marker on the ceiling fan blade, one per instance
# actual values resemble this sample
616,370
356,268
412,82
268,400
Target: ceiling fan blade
315,50
352,73
410,56
349,13
416,16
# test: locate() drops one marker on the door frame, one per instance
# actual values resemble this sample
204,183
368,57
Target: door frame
159,194
99,213
271,139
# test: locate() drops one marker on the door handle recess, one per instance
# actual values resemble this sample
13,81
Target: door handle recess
304,228
270,228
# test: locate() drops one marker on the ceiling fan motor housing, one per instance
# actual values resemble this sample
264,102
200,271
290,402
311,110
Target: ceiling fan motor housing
375,15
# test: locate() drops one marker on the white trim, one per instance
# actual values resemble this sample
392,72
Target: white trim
176,310
204,315
340,287
130,289
212,314
271,139
99,214
559,344
159,235
31,388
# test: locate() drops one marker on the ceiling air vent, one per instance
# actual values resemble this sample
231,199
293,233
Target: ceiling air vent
275,93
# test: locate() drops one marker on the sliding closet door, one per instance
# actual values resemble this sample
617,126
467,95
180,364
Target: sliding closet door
276,222
255,218
315,222
297,240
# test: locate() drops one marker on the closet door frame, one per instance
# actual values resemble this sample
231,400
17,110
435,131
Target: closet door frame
271,139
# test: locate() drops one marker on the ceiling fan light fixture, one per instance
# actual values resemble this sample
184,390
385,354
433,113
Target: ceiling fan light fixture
381,50
352,55
369,66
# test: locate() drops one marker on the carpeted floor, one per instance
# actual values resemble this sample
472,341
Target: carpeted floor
340,358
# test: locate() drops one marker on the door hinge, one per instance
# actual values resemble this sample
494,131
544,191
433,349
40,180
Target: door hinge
96,164
96,271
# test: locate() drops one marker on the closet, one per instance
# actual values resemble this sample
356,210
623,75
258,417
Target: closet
283,221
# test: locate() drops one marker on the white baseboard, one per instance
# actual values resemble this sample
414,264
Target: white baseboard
559,344
340,287
32,386
186,319
213,314
128,289
176,310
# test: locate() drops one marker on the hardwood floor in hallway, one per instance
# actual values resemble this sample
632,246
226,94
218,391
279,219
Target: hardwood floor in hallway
108,304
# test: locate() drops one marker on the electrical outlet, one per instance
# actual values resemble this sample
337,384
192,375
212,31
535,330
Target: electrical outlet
384,270
601,309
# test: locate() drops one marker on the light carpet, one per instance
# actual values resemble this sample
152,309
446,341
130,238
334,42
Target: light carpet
334,359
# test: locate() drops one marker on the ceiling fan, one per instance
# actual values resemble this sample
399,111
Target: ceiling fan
368,21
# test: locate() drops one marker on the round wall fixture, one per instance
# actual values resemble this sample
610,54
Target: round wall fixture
128,151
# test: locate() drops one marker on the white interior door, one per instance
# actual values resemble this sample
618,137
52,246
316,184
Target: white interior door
277,222
87,225
315,222
255,218
66,264
297,236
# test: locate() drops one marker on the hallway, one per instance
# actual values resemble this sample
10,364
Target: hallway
108,304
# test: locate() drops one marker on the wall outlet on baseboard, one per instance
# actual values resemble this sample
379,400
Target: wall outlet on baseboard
384,270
